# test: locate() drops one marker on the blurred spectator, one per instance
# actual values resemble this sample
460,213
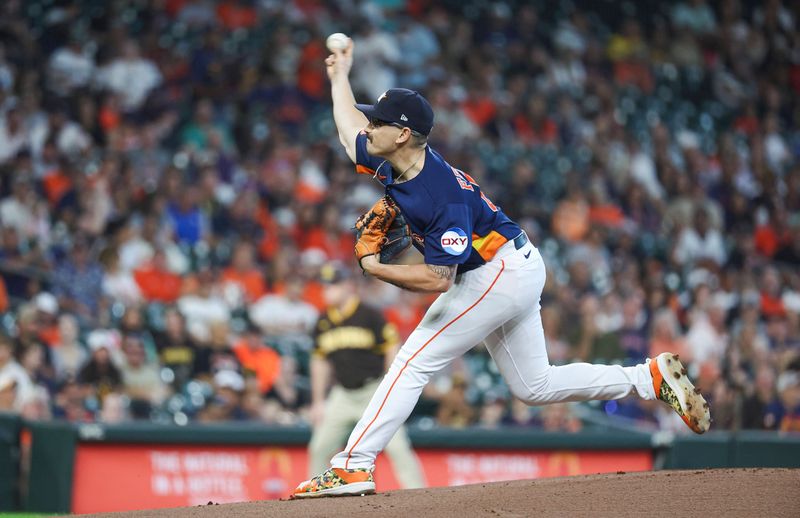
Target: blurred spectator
78,281
70,402
176,348
695,15
519,415
69,355
14,136
377,52
99,373
284,314
70,67
665,335
700,244
571,218
789,395
243,275
291,397
15,384
130,76
258,358
118,284
559,418
115,409
203,306
760,410
492,412
454,411
156,282
228,397
141,380
36,407
198,134
186,218
19,209
33,360
707,337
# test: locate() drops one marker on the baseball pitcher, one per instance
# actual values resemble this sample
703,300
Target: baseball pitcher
489,274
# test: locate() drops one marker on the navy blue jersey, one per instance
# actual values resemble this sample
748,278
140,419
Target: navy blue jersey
451,220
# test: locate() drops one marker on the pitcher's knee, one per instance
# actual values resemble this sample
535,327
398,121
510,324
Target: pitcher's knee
415,374
534,391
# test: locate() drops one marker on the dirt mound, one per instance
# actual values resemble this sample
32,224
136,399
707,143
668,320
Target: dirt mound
703,493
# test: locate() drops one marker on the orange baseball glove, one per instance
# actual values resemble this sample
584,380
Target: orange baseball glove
382,230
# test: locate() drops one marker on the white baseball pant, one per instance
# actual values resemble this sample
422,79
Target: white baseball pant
497,304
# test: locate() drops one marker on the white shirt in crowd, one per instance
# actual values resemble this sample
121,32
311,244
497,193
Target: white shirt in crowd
691,246
122,287
12,372
132,79
16,214
11,143
279,315
69,69
201,312
376,55
704,341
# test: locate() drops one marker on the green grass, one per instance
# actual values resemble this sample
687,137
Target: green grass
23,515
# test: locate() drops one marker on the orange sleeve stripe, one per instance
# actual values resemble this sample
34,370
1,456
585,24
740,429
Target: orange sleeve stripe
362,169
488,245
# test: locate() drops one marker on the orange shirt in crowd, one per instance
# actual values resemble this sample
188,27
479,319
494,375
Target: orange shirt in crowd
311,77
314,295
252,282
236,16
158,285
50,335
608,215
544,133
270,243
772,306
769,239
337,248
263,361
56,184
790,422
3,296
571,220
480,110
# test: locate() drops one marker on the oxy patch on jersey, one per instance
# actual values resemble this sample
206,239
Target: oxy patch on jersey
454,241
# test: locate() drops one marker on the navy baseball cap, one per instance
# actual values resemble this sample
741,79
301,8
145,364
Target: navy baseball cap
401,106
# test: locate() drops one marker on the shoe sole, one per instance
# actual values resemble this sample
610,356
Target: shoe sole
352,489
694,406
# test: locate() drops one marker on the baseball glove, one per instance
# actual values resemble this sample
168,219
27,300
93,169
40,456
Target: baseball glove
382,230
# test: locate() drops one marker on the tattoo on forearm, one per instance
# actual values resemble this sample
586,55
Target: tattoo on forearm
443,272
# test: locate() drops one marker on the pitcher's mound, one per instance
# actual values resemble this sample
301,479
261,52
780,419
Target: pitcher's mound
755,492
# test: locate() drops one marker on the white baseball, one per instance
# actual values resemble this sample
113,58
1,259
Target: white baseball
337,41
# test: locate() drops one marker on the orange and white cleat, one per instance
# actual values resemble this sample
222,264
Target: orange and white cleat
673,387
337,482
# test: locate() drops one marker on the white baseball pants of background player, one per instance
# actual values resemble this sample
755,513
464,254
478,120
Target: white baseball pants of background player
497,304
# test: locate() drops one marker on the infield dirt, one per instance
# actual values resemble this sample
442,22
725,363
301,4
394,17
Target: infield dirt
756,492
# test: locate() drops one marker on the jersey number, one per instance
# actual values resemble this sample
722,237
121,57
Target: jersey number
466,182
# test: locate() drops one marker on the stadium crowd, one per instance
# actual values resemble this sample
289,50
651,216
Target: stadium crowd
171,184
